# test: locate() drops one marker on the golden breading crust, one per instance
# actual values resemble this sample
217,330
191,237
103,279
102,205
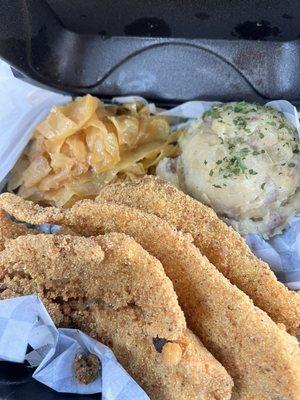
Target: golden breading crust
224,318
10,229
224,247
112,288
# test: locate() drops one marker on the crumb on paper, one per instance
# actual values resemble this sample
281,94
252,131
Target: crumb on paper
86,368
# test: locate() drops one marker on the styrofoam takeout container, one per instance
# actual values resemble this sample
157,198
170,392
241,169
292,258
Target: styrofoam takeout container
170,52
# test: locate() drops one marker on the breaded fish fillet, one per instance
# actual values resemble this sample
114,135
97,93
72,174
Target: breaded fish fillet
10,229
111,287
224,247
224,318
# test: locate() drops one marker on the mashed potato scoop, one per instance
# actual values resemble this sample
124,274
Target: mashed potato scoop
241,159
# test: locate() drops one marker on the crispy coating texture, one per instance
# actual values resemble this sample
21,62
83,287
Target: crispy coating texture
112,288
10,229
223,246
224,318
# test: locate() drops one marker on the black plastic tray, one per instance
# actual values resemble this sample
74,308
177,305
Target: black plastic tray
166,50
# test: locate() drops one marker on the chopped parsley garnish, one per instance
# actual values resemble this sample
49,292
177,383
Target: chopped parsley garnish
258,152
240,122
296,150
240,107
239,148
236,165
252,172
213,112
244,151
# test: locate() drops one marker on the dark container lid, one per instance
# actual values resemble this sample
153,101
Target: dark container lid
166,50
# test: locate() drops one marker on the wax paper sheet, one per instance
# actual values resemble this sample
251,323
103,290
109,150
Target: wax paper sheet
28,333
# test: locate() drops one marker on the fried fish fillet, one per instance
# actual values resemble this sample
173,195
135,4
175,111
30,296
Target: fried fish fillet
112,288
225,319
224,247
10,229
